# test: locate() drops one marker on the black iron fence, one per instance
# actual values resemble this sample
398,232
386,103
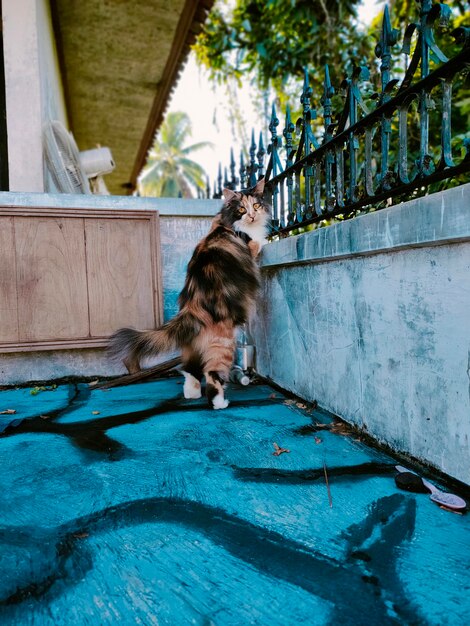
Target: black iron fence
365,155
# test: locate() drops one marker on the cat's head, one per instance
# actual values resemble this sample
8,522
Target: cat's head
246,211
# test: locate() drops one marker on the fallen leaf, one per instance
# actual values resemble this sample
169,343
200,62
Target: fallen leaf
318,440
301,405
95,412
45,417
8,412
340,429
278,449
93,383
80,535
288,402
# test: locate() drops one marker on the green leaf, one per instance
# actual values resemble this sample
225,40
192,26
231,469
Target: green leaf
260,48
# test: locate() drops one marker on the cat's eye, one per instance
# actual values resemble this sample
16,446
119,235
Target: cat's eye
242,210
256,206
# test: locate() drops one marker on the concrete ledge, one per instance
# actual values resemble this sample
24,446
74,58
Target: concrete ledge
432,220
23,367
165,206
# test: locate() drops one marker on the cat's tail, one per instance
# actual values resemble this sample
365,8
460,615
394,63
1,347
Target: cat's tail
130,345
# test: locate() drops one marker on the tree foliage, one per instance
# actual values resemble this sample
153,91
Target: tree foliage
274,40
169,172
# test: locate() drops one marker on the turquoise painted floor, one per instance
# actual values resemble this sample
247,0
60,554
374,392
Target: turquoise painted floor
134,506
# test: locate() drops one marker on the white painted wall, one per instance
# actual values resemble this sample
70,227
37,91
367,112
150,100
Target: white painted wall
34,90
52,93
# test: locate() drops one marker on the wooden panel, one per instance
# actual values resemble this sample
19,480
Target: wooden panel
51,271
8,295
52,280
121,274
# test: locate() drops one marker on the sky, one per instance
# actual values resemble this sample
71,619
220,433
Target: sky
207,107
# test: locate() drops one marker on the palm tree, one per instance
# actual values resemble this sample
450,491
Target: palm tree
169,172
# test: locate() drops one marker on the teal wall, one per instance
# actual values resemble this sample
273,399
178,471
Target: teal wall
179,236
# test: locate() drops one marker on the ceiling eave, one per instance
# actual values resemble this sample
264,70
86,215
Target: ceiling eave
119,64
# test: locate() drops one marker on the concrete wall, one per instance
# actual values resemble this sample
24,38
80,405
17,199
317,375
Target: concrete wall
371,318
182,224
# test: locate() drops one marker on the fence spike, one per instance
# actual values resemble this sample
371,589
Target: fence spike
274,122
233,179
260,156
328,92
288,130
253,167
383,50
274,165
219,181
242,170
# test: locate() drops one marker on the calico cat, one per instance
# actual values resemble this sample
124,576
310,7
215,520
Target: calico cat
219,293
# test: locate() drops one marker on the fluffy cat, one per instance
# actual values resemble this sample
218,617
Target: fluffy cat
221,285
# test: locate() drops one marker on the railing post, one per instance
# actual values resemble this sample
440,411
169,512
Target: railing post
274,163
446,145
288,130
308,139
425,159
260,156
233,179
383,50
219,182
252,168
242,171
328,92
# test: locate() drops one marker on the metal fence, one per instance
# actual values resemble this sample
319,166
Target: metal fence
364,157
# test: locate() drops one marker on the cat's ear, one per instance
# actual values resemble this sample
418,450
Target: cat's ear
229,194
258,189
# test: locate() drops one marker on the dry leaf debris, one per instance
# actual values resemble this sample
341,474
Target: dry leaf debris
339,428
278,450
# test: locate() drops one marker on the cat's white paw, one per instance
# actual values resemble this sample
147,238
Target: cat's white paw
219,402
192,387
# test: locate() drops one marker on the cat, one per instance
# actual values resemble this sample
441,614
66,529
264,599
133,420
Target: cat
219,293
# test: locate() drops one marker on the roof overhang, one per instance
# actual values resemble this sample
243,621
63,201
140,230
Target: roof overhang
119,63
